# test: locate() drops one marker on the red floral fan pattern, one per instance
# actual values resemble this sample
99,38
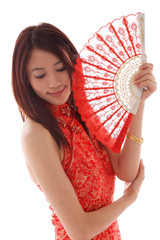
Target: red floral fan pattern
103,79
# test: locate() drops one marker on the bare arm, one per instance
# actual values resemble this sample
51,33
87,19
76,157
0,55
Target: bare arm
126,163
41,152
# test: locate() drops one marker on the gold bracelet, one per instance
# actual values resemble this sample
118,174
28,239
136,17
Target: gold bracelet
134,138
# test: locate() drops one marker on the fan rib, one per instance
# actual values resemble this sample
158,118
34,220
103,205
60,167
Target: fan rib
101,109
119,39
91,64
112,115
130,38
111,80
98,88
101,38
97,98
102,123
103,57
118,123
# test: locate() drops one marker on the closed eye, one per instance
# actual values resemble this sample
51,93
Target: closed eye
40,76
61,69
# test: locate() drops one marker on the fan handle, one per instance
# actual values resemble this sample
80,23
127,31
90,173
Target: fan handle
141,22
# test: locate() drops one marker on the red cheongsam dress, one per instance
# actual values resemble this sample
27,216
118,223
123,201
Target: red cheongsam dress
89,169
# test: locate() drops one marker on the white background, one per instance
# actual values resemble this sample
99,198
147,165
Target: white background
24,212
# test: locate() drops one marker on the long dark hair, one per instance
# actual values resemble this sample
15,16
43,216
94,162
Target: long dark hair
49,38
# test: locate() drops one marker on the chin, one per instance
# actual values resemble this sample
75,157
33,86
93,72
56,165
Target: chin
60,100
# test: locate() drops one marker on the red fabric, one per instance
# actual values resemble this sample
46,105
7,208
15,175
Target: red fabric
89,170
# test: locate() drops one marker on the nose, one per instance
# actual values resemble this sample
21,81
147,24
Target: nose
53,81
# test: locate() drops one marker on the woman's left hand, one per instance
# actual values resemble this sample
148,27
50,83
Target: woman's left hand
145,78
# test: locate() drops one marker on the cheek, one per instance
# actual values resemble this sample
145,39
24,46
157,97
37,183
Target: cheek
37,86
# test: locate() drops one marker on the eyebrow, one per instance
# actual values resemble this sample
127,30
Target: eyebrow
35,69
58,62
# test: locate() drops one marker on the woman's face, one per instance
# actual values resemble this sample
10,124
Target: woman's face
48,77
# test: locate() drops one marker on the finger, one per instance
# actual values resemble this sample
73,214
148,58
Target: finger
145,77
142,73
151,86
146,65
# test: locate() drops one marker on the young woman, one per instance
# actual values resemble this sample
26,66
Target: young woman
75,172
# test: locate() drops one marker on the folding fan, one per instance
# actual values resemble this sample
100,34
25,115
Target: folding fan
103,79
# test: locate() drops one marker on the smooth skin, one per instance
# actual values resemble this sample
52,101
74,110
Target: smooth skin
44,158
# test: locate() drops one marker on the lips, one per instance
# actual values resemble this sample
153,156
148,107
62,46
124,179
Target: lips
58,93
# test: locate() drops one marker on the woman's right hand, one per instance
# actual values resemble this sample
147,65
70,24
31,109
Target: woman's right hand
132,189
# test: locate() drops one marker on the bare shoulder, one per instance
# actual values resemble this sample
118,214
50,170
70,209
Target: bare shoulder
33,130
31,134
37,140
